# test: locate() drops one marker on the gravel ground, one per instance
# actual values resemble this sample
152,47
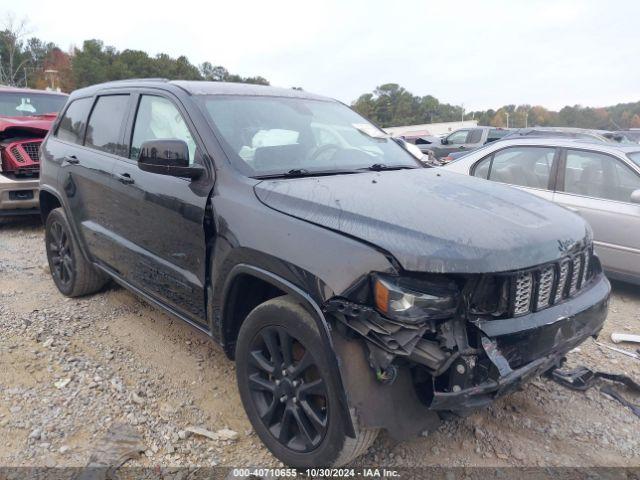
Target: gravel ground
71,368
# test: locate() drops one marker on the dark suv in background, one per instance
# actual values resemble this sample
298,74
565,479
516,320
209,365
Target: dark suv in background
284,225
463,140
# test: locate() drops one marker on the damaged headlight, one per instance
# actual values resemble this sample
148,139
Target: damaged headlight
413,300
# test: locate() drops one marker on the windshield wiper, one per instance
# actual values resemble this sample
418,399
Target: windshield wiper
379,167
303,172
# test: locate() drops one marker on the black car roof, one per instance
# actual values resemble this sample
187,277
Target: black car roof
203,88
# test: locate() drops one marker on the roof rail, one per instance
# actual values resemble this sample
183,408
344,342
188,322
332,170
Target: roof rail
159,79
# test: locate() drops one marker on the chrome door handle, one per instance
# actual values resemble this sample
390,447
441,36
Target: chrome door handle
125,178
71,160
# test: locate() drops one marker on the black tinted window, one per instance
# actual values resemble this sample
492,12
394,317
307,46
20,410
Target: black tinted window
495,134
73,121
106,122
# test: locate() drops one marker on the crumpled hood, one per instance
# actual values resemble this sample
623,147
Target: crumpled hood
433,220
39,124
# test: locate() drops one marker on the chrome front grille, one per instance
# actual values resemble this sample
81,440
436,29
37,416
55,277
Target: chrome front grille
562,281
539,288
522,300
33,150
576,272
545,286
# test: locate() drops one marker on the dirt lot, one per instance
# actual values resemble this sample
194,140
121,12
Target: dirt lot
72,368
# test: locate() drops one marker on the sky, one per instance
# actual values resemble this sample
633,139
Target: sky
483,54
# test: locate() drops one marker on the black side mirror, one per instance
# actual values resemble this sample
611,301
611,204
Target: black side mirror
444,141
168,157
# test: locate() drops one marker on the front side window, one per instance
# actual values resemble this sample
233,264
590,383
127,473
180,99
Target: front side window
274,135
598,175
24,104
158,118
524,166
458,138
74,120
104,130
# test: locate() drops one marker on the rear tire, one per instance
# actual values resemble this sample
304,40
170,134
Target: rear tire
72,273
288,392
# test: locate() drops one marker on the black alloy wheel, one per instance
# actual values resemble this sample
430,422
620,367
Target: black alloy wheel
287,390
59,245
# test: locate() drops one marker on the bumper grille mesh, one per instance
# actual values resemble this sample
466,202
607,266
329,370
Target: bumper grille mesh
33,150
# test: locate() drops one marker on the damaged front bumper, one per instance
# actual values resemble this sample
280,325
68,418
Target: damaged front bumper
446,369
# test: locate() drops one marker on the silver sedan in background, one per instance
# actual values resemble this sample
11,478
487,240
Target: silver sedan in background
599,181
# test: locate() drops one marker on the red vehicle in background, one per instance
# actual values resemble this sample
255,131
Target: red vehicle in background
25,118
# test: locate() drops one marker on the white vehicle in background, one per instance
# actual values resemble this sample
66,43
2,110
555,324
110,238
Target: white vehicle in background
600,181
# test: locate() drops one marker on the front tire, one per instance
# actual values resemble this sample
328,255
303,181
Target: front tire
72,273
287,389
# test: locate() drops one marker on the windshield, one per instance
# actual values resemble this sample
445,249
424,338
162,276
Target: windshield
276,135
22,104
635,157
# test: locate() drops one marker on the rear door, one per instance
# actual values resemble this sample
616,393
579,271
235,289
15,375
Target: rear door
87,152
529,168
598,186
160,218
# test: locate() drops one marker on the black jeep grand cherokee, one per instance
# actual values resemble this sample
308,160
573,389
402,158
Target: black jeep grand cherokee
355,289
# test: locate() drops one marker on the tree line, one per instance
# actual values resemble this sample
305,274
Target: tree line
391,105
27,61
31,62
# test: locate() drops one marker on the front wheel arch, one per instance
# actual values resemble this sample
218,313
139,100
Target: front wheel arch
288,288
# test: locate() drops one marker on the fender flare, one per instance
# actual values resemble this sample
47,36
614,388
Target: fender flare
78,239
316,312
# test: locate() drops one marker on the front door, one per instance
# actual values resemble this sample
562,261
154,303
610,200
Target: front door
599,187
160,218
456,141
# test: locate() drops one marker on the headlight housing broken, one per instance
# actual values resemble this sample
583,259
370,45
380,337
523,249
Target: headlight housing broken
414,300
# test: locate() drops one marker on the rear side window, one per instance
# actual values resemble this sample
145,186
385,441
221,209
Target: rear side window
104,130
73,122
598,175
475,136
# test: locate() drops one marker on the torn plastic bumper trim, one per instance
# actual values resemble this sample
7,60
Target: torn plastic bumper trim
590,320
387,339
595,293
